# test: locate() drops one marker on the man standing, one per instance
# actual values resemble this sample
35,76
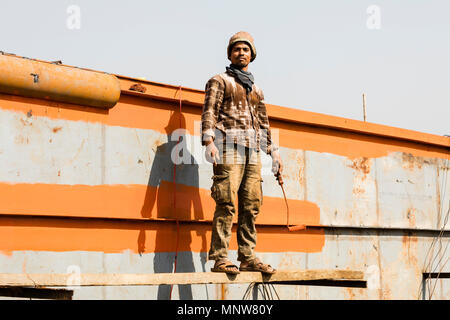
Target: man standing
235,127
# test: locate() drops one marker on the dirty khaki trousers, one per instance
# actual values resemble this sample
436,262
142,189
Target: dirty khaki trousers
237,176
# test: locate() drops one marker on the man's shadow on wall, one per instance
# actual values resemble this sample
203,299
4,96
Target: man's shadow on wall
160,192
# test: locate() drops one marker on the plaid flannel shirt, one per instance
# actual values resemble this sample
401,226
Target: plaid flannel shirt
231,115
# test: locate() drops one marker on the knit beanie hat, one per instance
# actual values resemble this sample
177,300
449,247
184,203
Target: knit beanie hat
244,37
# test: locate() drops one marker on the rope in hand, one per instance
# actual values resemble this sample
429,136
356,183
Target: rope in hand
174,183
290,228
281,182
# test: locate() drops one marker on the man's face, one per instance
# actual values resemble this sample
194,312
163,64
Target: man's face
241,54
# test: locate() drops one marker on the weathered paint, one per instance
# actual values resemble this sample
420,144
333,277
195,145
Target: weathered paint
93,188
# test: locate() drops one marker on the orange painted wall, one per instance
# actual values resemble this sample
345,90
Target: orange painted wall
22,226
112,236
137,202
135,112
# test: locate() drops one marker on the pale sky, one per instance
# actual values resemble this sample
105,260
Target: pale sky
318,56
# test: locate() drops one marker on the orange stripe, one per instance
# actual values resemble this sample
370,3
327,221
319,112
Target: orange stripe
137,202
135,112
348,144
55,234
129,112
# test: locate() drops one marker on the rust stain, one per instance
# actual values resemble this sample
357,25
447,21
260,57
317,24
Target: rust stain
302,173
409,251
19,139
138,87
411,216
354,293
361,165
412,162
386,293
358,191
24,265
56,129
26,122
223,292
409,238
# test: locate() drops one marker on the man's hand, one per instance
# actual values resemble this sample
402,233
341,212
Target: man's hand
212,153
277,164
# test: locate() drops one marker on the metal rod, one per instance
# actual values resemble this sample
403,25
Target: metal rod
364,106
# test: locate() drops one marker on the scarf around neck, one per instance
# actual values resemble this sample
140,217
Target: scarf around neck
244,77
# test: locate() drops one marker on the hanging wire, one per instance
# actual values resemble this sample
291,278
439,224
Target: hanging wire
443,255
429,269
267,291
439,239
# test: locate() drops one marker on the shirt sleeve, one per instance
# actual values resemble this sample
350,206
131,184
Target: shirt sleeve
266,142
214,93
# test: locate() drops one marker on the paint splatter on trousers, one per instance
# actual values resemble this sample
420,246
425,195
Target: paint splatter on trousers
236,185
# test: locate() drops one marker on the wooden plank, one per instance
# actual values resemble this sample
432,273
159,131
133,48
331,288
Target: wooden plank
115,279
37,293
